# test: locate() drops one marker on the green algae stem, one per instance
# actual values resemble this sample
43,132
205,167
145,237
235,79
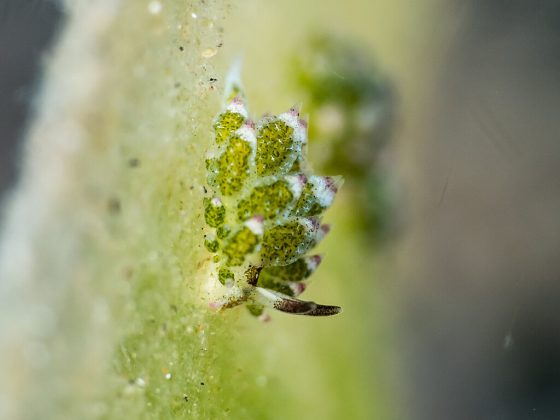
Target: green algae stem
169,342
115,257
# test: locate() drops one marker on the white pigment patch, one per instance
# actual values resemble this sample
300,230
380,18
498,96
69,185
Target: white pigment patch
154,7
255,225
247,133
238,107
296,184
291,119
323,190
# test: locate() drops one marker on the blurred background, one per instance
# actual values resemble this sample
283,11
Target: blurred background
459,317
27,29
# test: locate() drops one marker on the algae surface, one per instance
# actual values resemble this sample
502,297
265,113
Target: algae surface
102,251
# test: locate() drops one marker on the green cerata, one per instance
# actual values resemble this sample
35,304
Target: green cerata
263,211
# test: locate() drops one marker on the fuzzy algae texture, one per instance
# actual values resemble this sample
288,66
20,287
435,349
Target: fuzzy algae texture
101,240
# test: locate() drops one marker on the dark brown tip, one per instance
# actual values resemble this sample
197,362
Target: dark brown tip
315,260
325,229
331,184
325,310
294,306
300,307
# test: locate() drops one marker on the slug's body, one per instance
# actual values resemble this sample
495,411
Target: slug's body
264,210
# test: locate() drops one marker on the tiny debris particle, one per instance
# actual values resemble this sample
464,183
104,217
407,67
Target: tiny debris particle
127,272
209,52
154,7
114,205
194,15
508,342
181,48
264,318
